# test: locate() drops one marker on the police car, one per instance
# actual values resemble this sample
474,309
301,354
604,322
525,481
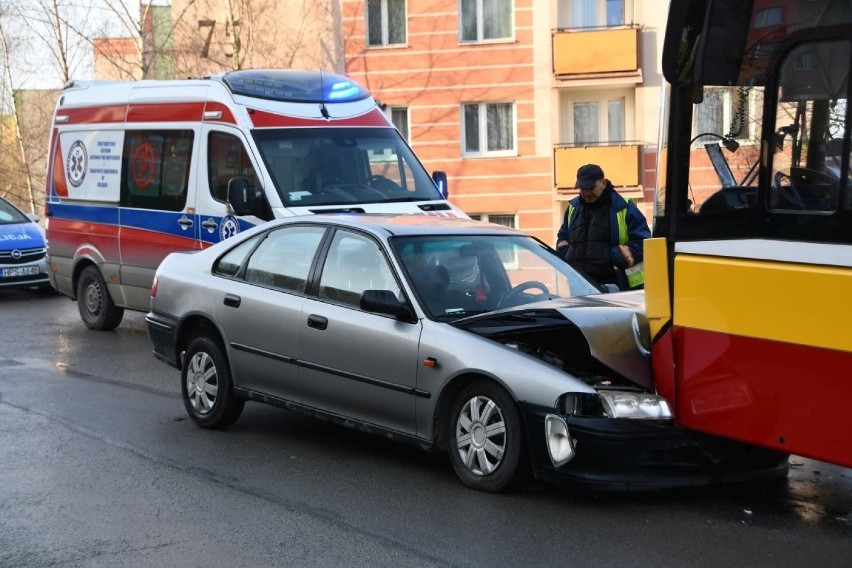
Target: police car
22,249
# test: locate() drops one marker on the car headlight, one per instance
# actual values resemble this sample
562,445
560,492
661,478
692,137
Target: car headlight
620,404
560,446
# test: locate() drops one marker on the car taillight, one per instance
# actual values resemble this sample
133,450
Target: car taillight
154,287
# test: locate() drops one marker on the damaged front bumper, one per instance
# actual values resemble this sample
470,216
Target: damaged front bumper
617,454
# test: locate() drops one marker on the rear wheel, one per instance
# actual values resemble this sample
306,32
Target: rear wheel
97,309
486,439
206,385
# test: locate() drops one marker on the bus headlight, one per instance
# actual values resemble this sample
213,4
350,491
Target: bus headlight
560,446
620,404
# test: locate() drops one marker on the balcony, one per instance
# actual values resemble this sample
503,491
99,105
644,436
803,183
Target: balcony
620,162
592,51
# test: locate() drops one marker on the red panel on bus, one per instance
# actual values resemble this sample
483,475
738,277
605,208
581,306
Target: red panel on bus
793,398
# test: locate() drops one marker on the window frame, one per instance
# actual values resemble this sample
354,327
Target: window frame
163,201
385,25
480,22
603,120
483,152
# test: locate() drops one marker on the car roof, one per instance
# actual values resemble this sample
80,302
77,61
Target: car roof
409,224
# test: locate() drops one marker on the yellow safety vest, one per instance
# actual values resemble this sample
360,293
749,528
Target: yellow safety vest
636,273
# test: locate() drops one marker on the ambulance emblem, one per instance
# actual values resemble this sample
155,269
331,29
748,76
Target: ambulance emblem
228,227
77,163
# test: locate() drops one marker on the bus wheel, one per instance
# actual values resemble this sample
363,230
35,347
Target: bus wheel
97,309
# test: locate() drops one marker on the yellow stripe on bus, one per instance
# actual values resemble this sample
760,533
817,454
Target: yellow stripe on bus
795,303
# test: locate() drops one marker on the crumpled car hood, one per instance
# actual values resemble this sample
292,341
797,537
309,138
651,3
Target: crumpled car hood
614,327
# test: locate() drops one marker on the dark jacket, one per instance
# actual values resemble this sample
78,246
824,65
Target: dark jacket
637,231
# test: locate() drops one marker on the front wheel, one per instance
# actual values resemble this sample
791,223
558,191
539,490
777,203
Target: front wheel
207,387
97,309
486,439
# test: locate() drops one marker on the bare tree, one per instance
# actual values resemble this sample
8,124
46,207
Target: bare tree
19,187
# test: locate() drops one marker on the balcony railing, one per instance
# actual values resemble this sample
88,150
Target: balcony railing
585,51
620,162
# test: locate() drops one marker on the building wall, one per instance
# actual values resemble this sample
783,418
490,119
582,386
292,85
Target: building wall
433,73
218,35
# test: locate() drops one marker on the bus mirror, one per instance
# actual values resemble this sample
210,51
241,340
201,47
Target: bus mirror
239,197
440,179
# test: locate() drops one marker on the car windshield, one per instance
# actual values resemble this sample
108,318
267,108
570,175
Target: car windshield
9,214
457,276
343,166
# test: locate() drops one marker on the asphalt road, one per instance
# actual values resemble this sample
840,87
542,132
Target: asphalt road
99,466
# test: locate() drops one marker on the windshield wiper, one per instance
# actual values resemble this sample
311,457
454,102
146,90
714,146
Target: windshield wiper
451,315
404,199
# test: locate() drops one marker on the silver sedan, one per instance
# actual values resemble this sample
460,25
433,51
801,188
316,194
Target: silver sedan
454,335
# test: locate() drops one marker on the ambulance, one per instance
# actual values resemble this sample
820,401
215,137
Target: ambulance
140,169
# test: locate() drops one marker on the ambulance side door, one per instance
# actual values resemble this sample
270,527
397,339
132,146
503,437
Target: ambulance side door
225,155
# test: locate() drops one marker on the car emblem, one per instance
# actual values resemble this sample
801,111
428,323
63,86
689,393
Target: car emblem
16,254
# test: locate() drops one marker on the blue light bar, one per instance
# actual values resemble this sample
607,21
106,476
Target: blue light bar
294,86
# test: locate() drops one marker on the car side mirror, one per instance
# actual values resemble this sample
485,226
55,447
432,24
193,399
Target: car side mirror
385,302
610,288
440,179
239,196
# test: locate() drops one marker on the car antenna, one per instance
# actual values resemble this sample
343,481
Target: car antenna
323,110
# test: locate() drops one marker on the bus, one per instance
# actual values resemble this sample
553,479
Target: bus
749,270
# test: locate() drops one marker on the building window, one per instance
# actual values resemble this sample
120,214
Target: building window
399,118
486,19
595,13
586,124
591,126
505,220
767,18
489,128
385,22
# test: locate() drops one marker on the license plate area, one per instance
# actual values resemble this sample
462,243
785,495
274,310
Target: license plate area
17,271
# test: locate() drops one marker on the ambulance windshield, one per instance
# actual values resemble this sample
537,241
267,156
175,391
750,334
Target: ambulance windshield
343,166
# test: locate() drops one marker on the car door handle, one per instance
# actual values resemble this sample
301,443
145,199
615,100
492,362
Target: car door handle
210,225
317,322
185,222
232,300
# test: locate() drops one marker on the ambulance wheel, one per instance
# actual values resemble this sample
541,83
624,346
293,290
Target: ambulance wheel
97,309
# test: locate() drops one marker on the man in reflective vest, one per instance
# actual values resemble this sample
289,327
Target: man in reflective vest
603,233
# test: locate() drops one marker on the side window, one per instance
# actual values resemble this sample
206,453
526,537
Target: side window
155,169
227,158
354,264
810,128
284,258
229,264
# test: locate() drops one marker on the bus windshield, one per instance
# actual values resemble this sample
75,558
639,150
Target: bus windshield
766,88
343,166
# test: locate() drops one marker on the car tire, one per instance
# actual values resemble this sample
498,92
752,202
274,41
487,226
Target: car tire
97,309
485,439
207,387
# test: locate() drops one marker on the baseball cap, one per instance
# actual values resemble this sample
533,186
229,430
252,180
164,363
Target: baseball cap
588,175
